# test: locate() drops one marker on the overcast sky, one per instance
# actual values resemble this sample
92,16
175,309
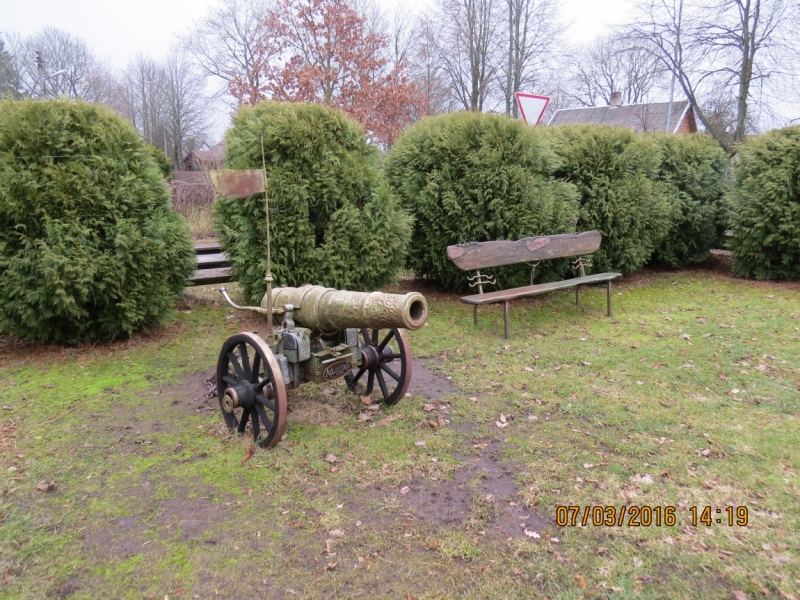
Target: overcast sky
119,29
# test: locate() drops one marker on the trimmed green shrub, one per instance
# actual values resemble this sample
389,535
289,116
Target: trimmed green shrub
696,168
477,177
764,206
89,246
615,171
333,219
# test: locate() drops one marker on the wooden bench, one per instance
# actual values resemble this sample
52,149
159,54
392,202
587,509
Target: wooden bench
482,255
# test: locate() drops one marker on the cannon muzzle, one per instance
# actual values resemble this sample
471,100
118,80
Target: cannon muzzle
327,309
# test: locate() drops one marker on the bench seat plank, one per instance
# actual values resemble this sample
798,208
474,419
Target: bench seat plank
535,290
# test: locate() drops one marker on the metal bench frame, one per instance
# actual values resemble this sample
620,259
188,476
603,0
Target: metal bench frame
478,255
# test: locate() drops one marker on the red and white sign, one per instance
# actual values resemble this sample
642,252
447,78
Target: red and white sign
531,107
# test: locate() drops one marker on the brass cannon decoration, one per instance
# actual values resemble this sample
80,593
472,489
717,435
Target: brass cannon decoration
320,335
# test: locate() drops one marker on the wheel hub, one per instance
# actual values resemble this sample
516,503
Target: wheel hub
371,357
243,394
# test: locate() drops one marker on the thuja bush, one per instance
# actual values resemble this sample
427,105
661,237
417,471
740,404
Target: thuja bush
333,219
89,246
763,207
615,171
695,167
476,177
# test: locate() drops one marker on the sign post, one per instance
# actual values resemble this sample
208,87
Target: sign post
531,107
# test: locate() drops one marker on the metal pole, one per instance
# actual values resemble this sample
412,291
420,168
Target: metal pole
677,50
268,276
608,295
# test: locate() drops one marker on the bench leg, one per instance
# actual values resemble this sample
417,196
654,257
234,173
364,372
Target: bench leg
577,295
505,317
475,315
608,295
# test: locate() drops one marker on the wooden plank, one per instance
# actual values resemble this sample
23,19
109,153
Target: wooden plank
206,247
481,255
210,261
535,290
209,276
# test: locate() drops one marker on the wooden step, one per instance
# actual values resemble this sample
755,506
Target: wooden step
212,261
210,276
213,266
206,247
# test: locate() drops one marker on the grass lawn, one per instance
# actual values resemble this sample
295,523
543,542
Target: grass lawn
118,480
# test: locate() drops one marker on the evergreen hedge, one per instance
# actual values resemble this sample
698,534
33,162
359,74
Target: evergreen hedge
764,206
695,167
615,171
89,246
333,219
477,177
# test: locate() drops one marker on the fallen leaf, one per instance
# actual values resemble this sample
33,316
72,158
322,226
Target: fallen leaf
405,489
643,579
428,407
474,399
363,417
388,420
533,418
532,534
685,336
660,334
641,478
433,424
420,443
336,533
251,449
637,562
704,452
331,458
580,580
480,446
330,566
588,466
366,400
738,595
724,325
723,376
47,487
328,392
529,369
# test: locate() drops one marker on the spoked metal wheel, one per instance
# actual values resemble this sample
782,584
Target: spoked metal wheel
386,362
251,389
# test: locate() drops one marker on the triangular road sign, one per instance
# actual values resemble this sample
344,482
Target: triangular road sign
531,107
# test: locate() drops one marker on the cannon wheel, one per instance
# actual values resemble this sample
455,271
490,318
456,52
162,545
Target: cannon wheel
250,387
383,351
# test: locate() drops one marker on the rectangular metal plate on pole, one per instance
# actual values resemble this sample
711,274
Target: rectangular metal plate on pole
238,184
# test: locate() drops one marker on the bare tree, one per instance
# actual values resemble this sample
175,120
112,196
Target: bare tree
463,34
184,103
533,35
9,80
225,43
140,97
165,101
723,48
428,72
611,64
53,62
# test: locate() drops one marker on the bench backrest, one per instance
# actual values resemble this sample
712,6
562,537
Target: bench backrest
481,255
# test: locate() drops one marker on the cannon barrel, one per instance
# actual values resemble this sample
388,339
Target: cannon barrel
327,309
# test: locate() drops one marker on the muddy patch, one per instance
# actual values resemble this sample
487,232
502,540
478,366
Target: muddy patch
188,518
428,384
449,503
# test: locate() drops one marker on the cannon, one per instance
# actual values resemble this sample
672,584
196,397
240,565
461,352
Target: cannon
323,335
